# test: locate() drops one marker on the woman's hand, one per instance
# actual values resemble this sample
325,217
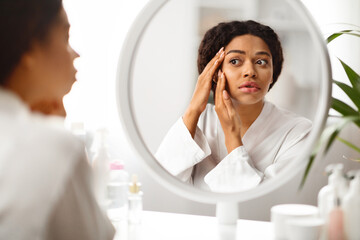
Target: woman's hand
229,118
202,92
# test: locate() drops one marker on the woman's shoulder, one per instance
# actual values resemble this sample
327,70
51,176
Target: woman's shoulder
42,158
49,135
283,115
293,125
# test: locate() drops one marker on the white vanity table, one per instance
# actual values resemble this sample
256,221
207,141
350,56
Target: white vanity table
174,226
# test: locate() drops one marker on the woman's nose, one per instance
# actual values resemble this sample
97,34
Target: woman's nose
249,71
75,53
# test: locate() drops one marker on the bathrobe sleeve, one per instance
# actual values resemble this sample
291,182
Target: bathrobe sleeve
179,152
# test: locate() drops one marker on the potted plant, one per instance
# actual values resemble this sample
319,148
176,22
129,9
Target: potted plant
348,114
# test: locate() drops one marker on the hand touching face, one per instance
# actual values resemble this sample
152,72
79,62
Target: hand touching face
229,118
202,92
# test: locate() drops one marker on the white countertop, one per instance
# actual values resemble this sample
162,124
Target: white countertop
174,226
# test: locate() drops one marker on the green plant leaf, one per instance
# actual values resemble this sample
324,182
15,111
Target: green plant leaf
349,144
307,170
337,34
344,109
312,158
352,75
352,93
331,132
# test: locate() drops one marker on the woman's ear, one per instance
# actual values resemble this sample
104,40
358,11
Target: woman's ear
29,58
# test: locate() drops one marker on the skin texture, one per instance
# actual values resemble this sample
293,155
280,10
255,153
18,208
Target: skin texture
246,61
46,72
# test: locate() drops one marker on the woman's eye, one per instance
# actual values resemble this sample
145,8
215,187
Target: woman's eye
234,61
261,62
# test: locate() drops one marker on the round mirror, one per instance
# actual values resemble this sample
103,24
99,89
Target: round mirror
157,75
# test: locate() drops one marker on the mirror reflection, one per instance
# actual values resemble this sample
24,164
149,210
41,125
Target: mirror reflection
204,94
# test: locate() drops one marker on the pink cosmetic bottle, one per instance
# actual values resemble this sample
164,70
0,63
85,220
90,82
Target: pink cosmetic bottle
336,222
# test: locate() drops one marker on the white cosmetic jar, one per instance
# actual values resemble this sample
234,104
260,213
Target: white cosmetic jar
304,228
281,214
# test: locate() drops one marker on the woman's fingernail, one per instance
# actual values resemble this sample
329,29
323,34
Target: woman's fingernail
226,95
222,54
216,62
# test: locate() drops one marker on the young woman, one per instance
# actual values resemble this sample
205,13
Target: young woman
242,140
45,179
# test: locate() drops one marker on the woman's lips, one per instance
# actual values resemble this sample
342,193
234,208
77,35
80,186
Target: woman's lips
249,87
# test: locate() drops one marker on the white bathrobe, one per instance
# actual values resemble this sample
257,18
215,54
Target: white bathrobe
275,138
45,179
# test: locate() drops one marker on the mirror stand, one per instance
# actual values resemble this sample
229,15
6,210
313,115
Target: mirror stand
227,212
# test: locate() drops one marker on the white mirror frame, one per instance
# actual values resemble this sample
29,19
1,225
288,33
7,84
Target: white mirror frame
227,200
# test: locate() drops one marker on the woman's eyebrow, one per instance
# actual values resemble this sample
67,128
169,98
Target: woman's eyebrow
263,53
236,51
243,52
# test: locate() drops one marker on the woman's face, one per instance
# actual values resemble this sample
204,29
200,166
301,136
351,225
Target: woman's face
53,59
248,69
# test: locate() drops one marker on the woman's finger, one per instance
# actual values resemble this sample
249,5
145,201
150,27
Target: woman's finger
214,63
223,81
224,96
218,90
227,99
215,58
228,103
220,94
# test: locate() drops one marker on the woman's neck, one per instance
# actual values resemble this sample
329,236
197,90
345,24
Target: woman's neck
248,114
23,86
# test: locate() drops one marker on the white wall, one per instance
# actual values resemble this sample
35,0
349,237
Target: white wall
164,73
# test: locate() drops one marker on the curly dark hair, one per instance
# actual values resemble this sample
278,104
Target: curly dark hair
222,34
22,22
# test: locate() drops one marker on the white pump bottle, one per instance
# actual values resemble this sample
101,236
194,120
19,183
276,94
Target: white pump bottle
100,165
337,187
332,194
351,206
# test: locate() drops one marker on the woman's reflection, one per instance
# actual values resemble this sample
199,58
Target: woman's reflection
242,140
